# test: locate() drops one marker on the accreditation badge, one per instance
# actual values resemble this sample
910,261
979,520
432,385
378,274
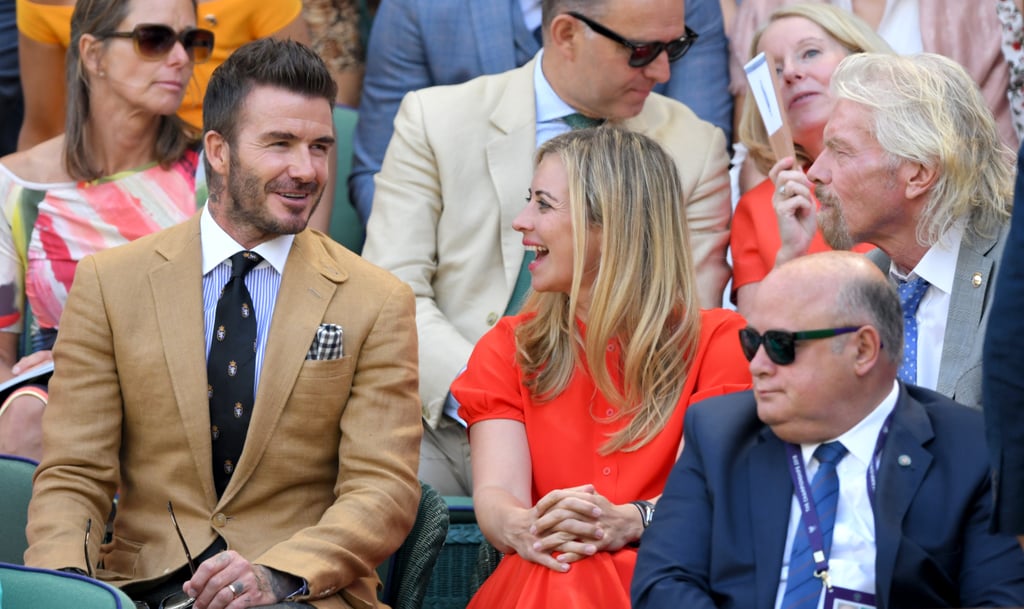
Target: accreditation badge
843,598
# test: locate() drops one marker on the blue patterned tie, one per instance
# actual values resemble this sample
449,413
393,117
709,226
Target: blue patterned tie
802,588
911,293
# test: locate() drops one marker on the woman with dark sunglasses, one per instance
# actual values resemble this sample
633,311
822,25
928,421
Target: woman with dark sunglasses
575,407
44,37
124,169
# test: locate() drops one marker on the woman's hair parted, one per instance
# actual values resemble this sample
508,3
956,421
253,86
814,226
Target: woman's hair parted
643,297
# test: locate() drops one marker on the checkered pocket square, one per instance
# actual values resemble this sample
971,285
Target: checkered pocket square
327,344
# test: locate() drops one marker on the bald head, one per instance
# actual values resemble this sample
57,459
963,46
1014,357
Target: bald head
844,285
837,378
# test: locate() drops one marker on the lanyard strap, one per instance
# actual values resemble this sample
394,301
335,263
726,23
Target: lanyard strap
808,510
876,458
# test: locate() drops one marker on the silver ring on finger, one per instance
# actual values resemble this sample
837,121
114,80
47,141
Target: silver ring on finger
237,589
782,191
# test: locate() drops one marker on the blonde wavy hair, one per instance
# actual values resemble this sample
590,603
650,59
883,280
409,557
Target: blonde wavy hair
644,294
926,109
844,27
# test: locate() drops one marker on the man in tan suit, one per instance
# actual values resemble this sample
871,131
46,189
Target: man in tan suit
459,165
325,486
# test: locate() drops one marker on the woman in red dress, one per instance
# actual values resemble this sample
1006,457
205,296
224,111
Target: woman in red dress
575,407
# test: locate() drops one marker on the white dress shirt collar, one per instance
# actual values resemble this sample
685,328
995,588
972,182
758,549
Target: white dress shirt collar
852,559
938,265
218,246
550,107
860,440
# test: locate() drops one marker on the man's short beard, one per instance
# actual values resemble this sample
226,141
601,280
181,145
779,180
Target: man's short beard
248,195
832,222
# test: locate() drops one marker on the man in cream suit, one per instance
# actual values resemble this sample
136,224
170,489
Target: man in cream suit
459,165
325,486
913,164
410,48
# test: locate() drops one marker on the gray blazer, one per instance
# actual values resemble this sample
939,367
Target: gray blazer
973,287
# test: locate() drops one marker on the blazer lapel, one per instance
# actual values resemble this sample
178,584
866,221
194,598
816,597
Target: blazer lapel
905,461
307,286
177,287
771,495
971,281
509,149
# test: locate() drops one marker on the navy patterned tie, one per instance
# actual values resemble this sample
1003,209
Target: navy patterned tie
231,370
802,588
911,293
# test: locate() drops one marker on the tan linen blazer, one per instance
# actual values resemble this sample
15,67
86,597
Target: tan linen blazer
326,485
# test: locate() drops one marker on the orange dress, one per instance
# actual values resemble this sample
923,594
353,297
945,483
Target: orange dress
754,236
564,437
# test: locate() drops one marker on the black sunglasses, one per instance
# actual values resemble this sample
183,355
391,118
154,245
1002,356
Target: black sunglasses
781,346
177,600
643,53
155,41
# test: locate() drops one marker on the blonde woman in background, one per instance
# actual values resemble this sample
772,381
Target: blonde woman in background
964,30
807,41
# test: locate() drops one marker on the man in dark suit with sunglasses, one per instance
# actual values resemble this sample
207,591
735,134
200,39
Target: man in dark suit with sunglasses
892,509
458,169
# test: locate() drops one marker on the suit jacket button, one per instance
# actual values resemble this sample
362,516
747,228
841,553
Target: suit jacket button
220,520
492,319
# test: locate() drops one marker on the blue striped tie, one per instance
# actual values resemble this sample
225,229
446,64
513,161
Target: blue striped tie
803,589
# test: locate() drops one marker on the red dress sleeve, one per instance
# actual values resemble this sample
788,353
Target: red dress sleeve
491,386
722,367
754,237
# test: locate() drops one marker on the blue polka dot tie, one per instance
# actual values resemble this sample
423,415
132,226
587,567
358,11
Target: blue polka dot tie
231,370
911,293
802,588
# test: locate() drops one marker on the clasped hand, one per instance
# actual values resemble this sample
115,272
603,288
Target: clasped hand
575,523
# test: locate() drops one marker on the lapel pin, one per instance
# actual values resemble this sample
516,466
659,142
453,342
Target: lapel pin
976,279
903,460
211,19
